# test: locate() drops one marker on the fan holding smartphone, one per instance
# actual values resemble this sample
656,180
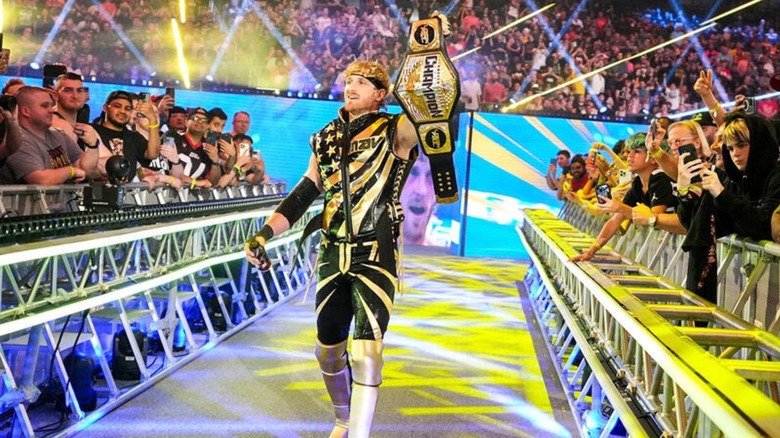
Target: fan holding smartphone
691,164
650,191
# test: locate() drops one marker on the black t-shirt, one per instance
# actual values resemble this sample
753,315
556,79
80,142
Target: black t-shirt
130,144
193,157
659,192
161,164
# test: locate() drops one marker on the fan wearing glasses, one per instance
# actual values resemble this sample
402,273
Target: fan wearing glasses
737,200
193,158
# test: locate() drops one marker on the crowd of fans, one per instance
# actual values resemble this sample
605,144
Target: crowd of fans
47,141
714,175
707,177
304,45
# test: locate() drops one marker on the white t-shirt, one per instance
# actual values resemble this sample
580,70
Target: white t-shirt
471,91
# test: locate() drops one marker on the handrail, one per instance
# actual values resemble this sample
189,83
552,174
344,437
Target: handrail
746,281
639,339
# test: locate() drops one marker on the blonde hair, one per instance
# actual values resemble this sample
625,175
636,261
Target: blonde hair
694,128
735,132
370,70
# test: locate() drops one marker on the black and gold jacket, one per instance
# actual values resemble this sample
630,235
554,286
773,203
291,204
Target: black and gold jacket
376,176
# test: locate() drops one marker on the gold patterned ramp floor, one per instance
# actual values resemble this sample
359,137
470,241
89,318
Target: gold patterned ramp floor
460,361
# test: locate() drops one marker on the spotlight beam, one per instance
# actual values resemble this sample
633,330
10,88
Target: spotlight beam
54,30
555,45
731,11
467,52
696,45
185,74
502,30
123,36
518,21
606,67
448,9
226,43
287,48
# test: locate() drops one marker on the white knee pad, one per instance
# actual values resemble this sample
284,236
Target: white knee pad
367,362
332,358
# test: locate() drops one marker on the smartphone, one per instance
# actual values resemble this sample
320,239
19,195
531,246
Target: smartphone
690,149
653,128
7,102
170,91
750,105
143,96
245,149
624,176
603,190
692,155
226,137
82,115
168,141
212,138
553,161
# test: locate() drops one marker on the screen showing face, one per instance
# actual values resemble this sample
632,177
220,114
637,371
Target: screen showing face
419,202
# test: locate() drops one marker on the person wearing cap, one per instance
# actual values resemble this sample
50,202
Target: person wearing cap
177,121
48,156
707,124
195,159
651,189
117,139
361,160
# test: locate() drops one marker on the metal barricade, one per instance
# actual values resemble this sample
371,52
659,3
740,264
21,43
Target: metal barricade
27,200
748,272
640,353
186,285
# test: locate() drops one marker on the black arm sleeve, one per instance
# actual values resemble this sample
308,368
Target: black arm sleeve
299,200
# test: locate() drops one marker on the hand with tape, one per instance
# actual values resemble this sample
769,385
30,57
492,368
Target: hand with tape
255,248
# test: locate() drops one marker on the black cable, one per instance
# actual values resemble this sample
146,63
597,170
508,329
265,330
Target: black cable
54,353
63,418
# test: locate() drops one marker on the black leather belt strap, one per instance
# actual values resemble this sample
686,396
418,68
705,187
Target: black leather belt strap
344,165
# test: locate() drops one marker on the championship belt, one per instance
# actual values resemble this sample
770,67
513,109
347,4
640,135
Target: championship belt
428,88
